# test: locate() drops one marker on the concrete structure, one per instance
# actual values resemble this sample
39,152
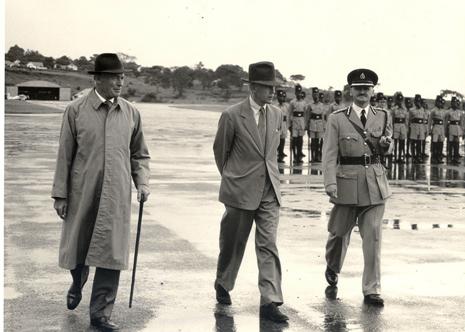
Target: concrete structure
40,90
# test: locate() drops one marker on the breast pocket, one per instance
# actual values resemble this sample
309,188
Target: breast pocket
348,143
346,188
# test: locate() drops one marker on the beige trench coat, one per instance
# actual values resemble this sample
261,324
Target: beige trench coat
98,154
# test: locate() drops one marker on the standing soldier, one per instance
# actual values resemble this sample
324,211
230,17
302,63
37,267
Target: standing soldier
321,97
454,120
297,123
436,128
417,132
424,105
356,182
316,112
400,120
373,101
337,104
389,103
381,100
284,107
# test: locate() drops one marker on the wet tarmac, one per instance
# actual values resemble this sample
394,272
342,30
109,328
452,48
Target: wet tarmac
423,266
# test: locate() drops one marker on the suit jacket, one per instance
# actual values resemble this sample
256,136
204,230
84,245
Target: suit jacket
356,184
241,159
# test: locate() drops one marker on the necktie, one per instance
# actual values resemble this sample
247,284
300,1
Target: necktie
363,118
262,125
107,104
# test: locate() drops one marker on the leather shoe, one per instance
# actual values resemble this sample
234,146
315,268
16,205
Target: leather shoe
331,276
74,296
374,299
271,311
104,324
222,295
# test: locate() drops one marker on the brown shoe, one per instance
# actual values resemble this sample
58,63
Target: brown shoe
271,312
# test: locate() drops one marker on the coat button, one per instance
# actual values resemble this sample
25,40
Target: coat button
364,143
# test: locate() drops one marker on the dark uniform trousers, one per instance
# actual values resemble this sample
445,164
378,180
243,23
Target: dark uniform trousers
235,229
341,222
104,289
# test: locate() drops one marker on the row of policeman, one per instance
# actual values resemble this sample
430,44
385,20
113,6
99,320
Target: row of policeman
412,122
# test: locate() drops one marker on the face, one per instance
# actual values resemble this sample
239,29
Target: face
338,99
262,94
382,103
109,85
408,103
281,98
315,96
454,104
361,94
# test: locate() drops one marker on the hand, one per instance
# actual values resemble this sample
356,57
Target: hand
385,141
143,193
61,207
331,190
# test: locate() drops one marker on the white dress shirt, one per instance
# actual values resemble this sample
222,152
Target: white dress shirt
256,109
358,110
112,100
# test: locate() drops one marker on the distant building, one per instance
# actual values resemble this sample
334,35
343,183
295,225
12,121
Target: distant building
40,90
35,65
71,66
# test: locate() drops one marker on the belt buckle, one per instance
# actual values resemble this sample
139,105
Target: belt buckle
366,160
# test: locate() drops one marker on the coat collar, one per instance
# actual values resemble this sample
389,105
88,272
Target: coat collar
371,114
96,102
250,124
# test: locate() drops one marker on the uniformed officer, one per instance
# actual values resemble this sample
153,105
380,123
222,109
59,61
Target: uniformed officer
284,107
316,112
436,128
417,129
454,121
297,118
321,97
373,101
424,105
381,100
356,181
389,102
400,120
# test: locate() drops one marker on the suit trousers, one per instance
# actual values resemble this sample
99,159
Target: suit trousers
341,222
234,232
104,289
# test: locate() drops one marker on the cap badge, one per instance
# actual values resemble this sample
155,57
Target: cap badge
362,76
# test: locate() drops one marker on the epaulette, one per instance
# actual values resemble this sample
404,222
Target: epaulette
342,110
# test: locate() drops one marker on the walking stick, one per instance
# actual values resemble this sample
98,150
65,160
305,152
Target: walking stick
136,250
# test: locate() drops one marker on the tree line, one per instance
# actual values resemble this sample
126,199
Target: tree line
226,76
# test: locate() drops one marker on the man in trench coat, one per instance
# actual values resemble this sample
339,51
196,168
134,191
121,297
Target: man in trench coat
356,137
101,148
245,151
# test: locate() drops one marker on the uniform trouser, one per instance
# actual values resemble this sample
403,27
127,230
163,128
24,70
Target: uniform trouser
104,289
282,142
234,232
341,222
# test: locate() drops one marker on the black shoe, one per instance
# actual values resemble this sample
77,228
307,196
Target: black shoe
374,299
222,295
74,296
271,312
284,155
104,324
331,276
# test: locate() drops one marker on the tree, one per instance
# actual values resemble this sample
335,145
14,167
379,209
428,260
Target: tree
204,76
126,58
32,55
49,62
63,60
231,75
83,64
297,77
182,77
14,53
280,76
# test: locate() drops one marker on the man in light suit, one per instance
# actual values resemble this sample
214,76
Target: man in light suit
245,150
356,138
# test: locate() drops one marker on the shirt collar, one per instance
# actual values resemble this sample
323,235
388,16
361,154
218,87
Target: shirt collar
358,109
255,107
112,100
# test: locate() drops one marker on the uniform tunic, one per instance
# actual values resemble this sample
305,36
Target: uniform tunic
297,117
436,124
99,151
316,113
400,119
454,121
417,124
285,125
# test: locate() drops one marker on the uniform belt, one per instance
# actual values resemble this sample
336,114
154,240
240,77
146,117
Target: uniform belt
399,120
417,120
454,122
298,114
363,160
438,122
425,121
316,116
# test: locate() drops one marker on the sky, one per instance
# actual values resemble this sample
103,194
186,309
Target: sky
413,46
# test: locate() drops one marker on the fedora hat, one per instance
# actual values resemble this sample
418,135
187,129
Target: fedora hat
107,63
262,73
